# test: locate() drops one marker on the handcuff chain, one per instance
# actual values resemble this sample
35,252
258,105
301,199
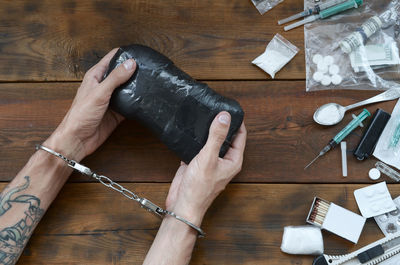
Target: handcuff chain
106,181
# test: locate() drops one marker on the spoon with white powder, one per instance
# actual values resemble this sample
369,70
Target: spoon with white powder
333,113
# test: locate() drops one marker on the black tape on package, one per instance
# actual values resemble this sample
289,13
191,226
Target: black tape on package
177,109
371,135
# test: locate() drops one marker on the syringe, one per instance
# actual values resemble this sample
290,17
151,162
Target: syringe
357,121
326,13
312,10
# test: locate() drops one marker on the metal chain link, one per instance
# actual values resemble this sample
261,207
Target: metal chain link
106,181
115,186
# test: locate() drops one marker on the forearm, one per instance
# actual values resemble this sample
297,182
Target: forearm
173,244
25,200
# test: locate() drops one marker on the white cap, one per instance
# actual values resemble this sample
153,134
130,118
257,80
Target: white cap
336,79
374,174
326,80
317,76
333,69
328,60
317,58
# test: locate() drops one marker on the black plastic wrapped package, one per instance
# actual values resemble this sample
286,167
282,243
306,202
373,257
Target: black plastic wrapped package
177,108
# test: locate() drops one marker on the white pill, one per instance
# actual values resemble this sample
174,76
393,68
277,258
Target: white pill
328,60
322,67
326,80
336,79
333,69
317,76
374,174
317,58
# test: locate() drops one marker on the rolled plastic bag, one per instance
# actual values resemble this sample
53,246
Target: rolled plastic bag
177,109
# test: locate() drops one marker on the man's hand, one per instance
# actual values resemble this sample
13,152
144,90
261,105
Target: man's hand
196,185
89,122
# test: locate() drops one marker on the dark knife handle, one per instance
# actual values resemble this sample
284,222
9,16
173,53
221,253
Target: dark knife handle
320,260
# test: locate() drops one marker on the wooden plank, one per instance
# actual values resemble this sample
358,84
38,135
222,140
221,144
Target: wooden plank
60,40
88,224
282,137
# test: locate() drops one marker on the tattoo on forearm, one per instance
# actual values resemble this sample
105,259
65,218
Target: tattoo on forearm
14,238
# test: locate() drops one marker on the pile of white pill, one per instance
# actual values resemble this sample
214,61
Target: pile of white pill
327,72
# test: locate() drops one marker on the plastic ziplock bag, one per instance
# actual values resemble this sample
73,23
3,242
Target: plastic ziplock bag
264,5
305,240
278,53
388,147
175,107
371,64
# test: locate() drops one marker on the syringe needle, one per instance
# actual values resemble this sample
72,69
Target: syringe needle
313,161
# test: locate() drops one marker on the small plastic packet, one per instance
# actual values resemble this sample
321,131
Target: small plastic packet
304,240
264,5
278,53
364,44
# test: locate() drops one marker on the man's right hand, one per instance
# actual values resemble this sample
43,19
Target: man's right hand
195,186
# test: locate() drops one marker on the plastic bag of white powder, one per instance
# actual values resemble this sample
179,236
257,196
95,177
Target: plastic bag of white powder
278,53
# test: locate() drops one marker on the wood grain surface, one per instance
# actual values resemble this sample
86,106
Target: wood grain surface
60,40
88,224
282,137
47,46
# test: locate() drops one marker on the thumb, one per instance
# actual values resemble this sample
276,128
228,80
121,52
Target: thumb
217,134
117,77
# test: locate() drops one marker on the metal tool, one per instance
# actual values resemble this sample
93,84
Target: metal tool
312,10
357,121
327,13
374,253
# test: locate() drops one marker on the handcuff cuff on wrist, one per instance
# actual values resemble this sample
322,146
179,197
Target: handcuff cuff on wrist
144,203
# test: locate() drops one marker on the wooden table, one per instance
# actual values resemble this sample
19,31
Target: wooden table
46,47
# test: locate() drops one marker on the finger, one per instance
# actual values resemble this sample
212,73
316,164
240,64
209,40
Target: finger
217,133
240,138
235,153
98,70
118,76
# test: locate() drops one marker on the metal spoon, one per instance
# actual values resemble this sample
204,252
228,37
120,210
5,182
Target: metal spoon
333,113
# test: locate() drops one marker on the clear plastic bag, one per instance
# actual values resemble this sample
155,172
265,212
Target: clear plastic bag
278,53
264,5
364,45
304,240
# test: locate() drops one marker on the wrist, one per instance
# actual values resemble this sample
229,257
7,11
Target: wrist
175,226
65,144
192,214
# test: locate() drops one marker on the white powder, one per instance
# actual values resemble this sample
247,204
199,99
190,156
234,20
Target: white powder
329,114
271,61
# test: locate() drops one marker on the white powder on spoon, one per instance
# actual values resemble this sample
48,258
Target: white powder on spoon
329,114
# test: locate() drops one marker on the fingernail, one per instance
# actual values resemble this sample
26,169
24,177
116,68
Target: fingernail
128,64
224,119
